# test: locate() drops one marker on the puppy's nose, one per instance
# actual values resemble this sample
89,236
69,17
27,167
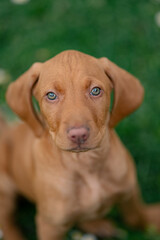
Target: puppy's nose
78,135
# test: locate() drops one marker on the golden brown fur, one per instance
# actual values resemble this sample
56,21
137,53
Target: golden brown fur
69,160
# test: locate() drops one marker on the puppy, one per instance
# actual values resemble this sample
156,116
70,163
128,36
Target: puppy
67,158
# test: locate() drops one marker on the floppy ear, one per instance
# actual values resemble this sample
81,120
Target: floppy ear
128,92
19,98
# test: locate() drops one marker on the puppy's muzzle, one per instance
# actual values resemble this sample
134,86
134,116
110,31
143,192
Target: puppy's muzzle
78,135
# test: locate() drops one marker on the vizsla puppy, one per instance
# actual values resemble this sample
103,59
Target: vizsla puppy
68,159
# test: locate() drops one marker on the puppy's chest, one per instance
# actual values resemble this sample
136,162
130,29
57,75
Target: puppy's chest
92,195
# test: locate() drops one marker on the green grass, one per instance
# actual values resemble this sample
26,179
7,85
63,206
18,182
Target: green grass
122,30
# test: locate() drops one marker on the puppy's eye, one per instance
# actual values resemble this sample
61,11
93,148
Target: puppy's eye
51,96
95,91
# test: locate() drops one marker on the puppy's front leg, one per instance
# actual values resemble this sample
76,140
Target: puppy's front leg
49,231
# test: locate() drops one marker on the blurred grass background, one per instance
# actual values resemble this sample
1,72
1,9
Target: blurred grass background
125,31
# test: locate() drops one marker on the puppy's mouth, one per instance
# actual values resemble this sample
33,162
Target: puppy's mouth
78,149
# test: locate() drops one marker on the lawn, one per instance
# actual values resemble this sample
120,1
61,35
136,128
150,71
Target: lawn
125,31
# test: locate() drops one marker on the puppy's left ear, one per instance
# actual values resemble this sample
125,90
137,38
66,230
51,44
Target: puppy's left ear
19,98
128,92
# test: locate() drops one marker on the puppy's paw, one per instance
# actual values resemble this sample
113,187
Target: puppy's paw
103,228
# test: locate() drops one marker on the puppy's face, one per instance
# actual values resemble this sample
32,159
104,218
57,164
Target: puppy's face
73,92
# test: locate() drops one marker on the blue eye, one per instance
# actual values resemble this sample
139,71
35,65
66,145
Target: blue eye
95,91
51,96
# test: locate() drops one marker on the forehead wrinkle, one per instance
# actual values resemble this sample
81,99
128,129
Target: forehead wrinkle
71,57
73,61
66,66
72,68
67,60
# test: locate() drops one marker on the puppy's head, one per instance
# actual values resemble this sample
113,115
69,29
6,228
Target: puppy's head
73,90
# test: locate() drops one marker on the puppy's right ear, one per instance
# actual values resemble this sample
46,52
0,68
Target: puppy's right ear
19,98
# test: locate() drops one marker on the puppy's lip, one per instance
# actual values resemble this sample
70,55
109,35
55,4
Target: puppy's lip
79,149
